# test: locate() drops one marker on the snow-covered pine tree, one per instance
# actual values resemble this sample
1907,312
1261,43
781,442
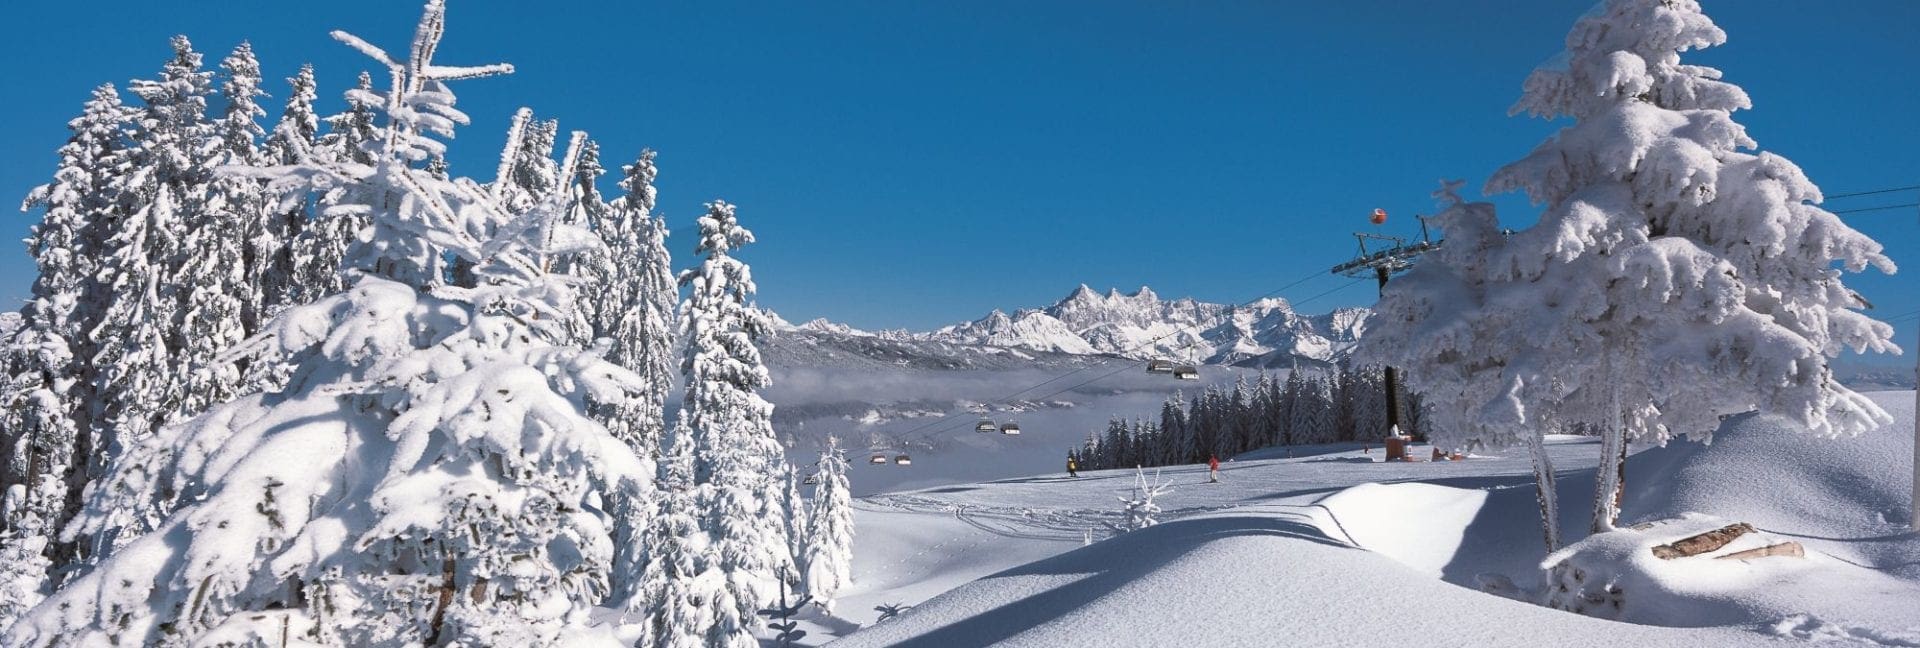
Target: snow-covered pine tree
581,170
1673,278
136,367
798,516
45,432
1178,438
319,252
829,557
1367,391
428,475
527,174
1455,345
642,328
294,136
1239,434
736,458
224,243
1113,445
633,310
1279,412
673,601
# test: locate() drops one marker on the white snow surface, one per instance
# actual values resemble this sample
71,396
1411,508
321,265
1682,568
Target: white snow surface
1330,548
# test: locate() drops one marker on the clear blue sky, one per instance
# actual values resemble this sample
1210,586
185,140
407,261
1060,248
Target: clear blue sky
910,164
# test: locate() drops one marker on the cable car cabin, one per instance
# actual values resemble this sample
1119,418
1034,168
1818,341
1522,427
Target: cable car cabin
1160,366
903,460
1186,372
878,459
985,425
1010,428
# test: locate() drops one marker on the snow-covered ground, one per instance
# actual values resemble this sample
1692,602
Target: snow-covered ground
1331,548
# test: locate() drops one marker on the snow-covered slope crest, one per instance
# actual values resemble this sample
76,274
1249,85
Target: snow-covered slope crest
1218,580
1265,333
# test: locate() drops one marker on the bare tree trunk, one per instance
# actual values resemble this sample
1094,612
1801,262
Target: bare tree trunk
1610,477
446,599
1545,490
1607,479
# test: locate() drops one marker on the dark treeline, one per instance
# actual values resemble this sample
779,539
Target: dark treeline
1307,407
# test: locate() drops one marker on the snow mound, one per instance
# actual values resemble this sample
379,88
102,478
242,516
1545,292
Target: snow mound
1419,525
1260,576
1616,575
1846,497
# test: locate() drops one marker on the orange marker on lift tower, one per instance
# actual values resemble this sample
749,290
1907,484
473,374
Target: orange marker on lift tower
1379,216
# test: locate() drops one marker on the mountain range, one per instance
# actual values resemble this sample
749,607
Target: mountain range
1261,334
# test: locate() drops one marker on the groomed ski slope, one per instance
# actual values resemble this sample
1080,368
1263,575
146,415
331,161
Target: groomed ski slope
1337,550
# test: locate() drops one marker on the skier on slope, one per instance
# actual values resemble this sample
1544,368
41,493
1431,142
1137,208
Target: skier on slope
1213,469
1073,467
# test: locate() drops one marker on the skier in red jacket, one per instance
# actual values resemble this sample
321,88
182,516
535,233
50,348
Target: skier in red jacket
1213,469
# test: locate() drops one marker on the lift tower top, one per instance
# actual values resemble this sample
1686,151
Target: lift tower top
1390,255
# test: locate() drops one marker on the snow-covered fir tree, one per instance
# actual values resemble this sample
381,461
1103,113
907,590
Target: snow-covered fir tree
295,134
428,476
527,174
137,373
673,603
797,525
829,559
318,253
737,461
633,301
45,431
640,280
220,275
1675,276
580,166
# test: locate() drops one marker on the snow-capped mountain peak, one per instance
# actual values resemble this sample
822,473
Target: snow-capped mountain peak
1264,333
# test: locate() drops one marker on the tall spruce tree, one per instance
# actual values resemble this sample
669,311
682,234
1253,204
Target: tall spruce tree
223,243
632,309
318,253
138,364
829,558
736,457
46,435
672,600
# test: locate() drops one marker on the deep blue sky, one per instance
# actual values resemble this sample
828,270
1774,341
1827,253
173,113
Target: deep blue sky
910,164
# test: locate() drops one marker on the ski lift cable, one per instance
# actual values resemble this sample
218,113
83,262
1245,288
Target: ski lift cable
942,419
1872,193
1130,366
1874,209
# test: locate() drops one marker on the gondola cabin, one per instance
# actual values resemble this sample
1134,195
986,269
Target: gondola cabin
903,460
878,459
1160,366
1010,428
985,425
1186,372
